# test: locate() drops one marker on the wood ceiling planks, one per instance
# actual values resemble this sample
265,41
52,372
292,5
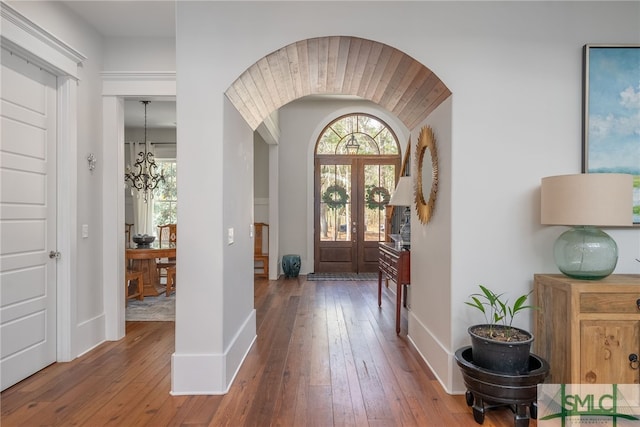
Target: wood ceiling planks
338,65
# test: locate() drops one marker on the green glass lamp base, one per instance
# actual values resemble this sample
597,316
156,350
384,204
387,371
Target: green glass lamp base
586,253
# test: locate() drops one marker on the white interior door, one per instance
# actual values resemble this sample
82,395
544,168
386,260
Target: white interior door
27,219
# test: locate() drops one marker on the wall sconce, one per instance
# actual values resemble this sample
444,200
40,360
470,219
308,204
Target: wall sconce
91,159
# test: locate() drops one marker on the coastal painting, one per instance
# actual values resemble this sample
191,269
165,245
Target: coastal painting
611,106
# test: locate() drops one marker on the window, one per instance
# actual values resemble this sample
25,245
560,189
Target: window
357,134
165,196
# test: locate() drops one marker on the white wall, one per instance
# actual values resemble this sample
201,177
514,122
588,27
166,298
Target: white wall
516,118
203,360
139,54
430,298
237,205
515,73
260,179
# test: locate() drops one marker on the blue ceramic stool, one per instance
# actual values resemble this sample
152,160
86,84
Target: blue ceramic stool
291,265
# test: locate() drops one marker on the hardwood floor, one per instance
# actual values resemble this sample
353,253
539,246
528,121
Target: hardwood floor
325,356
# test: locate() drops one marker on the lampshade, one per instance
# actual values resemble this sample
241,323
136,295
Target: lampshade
598,199
403,196
585,201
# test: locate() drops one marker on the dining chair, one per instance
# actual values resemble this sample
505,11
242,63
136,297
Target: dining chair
133,285
167,237
171,280
261,249
128,233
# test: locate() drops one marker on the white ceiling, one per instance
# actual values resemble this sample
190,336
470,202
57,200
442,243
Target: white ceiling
160,113
116,18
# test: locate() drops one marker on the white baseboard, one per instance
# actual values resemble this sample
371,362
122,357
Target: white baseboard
88,335
212,374
441,361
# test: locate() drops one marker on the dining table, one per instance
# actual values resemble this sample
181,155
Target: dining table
144,259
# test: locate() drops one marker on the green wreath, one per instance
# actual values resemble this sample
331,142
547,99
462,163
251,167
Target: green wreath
335,197
377,197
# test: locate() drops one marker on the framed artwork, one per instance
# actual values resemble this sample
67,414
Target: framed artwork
611,113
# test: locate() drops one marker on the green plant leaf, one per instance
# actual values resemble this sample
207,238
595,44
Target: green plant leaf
476,304
495,309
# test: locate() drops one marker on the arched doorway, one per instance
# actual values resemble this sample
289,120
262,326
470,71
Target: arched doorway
334,65
357,159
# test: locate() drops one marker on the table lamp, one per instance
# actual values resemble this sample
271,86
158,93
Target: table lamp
585,202
403,196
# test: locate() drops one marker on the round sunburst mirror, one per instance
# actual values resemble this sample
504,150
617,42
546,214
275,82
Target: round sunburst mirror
427,180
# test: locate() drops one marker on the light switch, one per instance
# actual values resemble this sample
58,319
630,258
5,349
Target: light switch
230,236
85,231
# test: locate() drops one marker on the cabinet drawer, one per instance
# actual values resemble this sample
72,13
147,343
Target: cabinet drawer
609,303
389,259
387,268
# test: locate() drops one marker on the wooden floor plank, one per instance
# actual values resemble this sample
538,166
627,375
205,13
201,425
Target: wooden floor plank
325,355
297,367
343,410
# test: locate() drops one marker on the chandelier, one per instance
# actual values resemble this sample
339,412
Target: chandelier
144,175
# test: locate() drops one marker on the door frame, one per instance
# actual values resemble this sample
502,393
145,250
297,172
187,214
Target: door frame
402,134
116,87
357,164
33,43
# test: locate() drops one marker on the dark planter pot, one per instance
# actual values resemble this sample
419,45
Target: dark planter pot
487,389
291,265
500,356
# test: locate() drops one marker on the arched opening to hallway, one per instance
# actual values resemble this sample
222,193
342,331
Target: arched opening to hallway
325,67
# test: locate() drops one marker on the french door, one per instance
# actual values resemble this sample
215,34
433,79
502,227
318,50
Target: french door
351,193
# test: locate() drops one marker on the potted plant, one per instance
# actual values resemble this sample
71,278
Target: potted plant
497,345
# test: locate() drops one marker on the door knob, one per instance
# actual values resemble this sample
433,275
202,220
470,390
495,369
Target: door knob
633,361
55,255
638,303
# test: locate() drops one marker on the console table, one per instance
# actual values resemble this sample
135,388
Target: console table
394,264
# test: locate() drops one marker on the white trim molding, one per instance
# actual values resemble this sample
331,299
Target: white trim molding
143,83
116,86
35,44
212,374
67,217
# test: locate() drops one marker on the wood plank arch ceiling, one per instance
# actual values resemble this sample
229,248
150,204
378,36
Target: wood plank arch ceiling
338,65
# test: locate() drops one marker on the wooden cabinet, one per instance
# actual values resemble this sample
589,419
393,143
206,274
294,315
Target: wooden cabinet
588,331
394,264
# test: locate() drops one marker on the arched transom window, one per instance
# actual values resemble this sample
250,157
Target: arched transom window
357,134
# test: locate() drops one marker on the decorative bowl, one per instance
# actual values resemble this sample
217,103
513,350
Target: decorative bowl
143,240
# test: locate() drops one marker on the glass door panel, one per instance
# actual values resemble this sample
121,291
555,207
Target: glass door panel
335,204
379,183
334,213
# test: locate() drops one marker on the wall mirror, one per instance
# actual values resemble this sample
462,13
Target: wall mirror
427,178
